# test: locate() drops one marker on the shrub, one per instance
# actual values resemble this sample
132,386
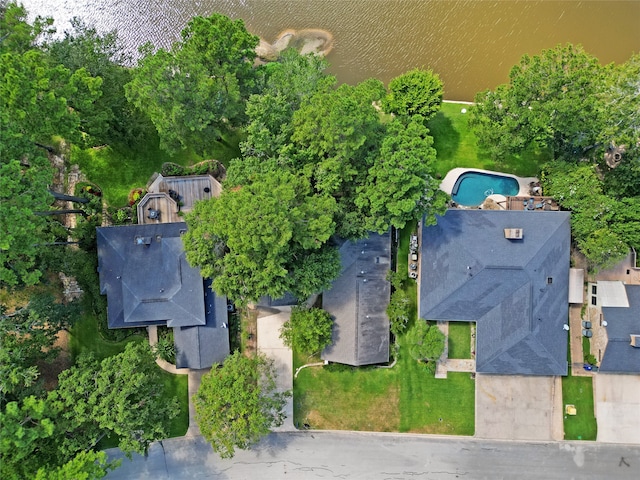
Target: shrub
590,359
165,348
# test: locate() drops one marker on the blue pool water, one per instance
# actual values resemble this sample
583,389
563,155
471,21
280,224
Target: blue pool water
472,188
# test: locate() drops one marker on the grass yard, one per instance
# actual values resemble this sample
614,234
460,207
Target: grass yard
431,405
347,399
578,391
459,340
117,170
457,146
177,386
85,338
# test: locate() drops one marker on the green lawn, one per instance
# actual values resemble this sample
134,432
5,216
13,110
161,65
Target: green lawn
578,391
177,386
459,340
85,337
457,146
117,170
405,398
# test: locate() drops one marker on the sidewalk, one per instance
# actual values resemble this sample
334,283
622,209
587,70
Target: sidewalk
270,343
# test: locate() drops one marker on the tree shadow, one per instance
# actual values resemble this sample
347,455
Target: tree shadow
446,139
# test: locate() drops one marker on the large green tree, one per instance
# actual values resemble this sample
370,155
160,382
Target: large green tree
196,91
122,395
308,330
110,118
267,237
287,83
28,446
599,224
335,140
238,403
27,337
426,343
400,187
552,101
417,92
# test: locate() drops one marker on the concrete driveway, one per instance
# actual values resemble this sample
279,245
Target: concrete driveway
513,407
617,405
269,323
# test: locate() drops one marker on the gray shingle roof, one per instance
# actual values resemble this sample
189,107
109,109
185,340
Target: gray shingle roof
202,346
622,322
358,301
147,280
469,271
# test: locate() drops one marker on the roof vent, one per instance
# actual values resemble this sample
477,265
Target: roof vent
513,233
635,340
143,240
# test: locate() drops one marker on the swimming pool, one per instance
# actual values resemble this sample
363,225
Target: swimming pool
472,188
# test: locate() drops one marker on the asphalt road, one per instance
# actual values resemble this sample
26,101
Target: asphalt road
351,455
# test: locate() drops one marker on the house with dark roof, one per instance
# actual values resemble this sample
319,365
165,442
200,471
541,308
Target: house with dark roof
357,301
622,353
148,281
508,271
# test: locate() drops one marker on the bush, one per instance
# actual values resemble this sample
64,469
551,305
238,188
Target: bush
590,359
170,169
165,348
338,367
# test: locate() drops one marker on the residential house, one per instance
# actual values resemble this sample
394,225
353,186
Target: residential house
148,281
620,306
357,301
507,271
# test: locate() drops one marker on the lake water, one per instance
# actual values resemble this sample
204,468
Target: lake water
472,44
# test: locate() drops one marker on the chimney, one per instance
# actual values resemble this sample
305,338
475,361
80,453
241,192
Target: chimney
513,233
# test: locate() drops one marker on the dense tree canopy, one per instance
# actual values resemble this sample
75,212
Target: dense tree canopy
122,395
552,101
264,238
197,90
399,186
602,226
238,403
110,119
308,330
38,99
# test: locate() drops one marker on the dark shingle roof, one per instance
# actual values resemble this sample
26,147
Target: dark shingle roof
622,322
147,280
358,300
202,346
469,271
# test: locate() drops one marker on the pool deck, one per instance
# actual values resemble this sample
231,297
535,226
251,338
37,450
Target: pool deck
452,176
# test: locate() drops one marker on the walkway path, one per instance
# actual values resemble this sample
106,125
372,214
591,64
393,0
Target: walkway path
270,343
446,364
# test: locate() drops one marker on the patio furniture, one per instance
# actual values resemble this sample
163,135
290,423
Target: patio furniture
153,214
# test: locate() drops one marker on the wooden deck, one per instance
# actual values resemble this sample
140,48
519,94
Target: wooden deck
190,188
165,193
534,203
161,202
